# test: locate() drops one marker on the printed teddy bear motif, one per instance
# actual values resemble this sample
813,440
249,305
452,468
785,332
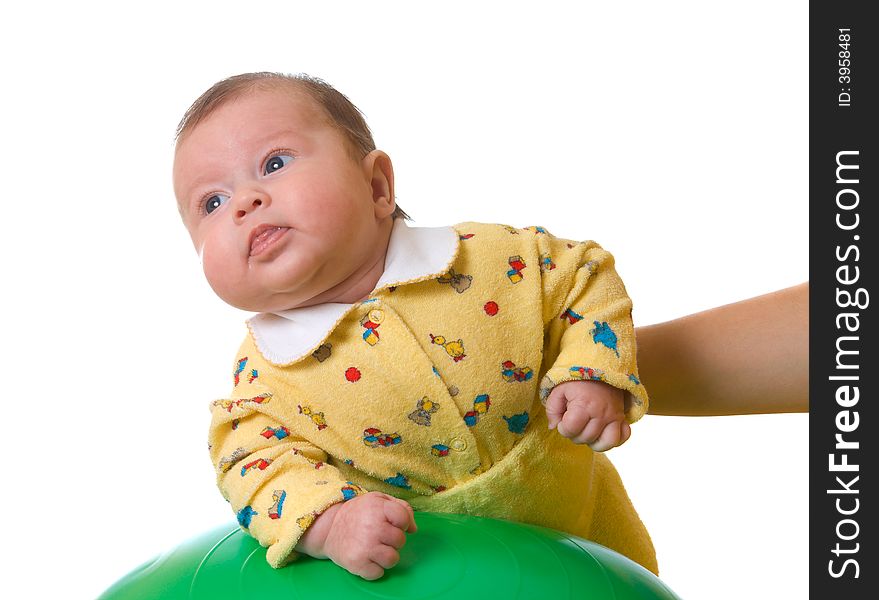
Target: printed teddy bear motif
423,410
323,352
460,283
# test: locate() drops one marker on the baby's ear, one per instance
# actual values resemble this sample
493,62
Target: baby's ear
378,167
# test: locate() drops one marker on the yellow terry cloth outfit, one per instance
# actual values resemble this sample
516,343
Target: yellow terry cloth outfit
428,390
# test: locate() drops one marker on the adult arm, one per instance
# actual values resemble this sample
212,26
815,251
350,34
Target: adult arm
749,357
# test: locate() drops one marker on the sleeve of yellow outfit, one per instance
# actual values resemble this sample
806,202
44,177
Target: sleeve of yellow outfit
587,317
276,481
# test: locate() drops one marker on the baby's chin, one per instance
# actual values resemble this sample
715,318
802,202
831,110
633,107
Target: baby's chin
263,306
248,303
269,304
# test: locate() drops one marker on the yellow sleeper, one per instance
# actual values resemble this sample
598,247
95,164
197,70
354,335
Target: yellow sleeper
431,389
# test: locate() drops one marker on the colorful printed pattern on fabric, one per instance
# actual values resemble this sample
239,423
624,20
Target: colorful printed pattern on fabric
370,323
229,405
423,410
277,507
323,352
278,433
238,369
316,417
459,283
517,423
454,349
350,490
374,438
571,316
227,462
511,372
245,515
480,407
517,265
260,464
399,480
439,450
586,373
603,334
546,263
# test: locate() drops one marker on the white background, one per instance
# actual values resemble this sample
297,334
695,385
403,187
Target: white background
674,133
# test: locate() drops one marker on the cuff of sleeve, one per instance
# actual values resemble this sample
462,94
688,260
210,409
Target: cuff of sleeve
636,400
283,552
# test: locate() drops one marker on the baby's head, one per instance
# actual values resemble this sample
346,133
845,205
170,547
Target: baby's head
283,192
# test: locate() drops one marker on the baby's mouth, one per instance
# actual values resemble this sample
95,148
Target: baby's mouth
262,237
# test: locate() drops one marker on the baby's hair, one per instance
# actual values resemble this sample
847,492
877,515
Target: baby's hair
342,113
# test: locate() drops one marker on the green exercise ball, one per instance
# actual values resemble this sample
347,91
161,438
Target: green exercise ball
451,556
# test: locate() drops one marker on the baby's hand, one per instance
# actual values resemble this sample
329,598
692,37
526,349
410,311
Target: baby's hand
367,532
589,412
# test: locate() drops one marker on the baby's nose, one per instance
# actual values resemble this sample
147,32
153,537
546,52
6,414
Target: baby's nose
242,212
249,202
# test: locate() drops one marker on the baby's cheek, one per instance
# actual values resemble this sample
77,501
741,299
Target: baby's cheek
223,274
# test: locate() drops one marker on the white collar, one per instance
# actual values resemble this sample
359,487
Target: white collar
414,254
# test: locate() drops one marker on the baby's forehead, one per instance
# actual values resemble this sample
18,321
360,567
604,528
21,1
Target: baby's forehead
293,101
296,96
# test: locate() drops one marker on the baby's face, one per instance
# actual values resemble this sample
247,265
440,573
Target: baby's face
275,205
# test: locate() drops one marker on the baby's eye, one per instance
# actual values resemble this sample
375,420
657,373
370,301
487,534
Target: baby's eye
214,202
276,162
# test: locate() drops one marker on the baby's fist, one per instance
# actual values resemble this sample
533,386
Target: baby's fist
367,533
589,412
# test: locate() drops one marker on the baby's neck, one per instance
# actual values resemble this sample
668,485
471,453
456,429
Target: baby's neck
362,282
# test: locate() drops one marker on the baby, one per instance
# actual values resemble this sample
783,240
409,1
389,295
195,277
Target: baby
391,367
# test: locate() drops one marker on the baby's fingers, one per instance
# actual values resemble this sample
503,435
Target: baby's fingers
392,536
577,421
399,514
385,557
555,406
614,434
369,571
589,433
